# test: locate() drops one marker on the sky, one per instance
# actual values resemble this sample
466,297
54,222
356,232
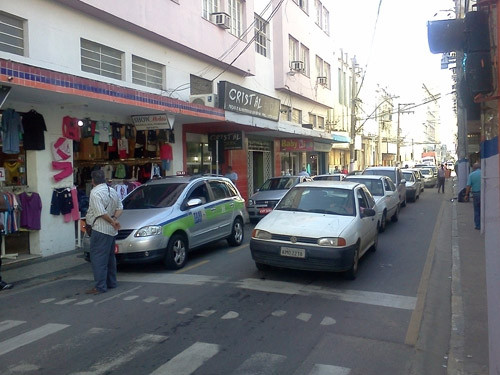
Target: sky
394,50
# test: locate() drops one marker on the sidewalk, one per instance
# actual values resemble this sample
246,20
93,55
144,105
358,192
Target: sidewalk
469,335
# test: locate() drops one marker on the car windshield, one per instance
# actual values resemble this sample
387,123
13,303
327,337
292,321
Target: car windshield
408,176
374,186
426,172
332,201
281,183
153,196
381,172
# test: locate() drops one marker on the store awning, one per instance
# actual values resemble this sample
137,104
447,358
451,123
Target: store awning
340,138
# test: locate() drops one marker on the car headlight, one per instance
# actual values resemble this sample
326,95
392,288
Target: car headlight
150,230
332,241
261,234
251,202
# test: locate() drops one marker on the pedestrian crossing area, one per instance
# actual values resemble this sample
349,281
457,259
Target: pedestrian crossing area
304,317
187,359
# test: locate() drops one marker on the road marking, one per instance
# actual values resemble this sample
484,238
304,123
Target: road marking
193,266
130,298
418,312
329,370
358,296
185,310
150,299
230,315
161,278
8,324
278,313
304,317
143,343
29,337
189,360
47,300
118,295
85,301
206,313
261,363
327,321
65,301
168,301
237,249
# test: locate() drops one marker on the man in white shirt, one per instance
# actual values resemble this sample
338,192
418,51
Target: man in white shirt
105,207
232,175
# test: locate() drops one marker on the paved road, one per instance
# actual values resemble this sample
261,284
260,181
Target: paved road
220,315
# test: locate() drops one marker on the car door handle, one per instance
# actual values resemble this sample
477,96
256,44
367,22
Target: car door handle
213,209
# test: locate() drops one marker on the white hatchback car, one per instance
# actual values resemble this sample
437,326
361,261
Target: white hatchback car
385,194
318,225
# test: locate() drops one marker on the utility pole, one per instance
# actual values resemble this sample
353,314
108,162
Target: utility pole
401,109
354,100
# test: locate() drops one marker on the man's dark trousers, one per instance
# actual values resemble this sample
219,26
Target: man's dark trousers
102,257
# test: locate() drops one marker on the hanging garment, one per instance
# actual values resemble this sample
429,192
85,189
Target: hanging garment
62,201
34,128
108,171
31,211
166,152
102,132
12,130
122,190
61,149
75,211
70,128
12,173
123,148
66,169
120,171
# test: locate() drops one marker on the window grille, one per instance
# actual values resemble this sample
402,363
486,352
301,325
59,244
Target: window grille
11,34
147,73
99,59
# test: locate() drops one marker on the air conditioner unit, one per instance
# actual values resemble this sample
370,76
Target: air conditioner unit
208,100
322,81
221,19
297,65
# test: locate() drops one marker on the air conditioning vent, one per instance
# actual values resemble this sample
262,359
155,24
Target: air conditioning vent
297,65
221,19
208,100
322,81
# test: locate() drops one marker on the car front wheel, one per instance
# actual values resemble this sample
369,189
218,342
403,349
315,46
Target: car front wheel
176,255
237,233
352,272
395,217
383,222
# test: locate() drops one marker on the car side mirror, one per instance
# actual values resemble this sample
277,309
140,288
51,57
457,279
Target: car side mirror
367,212
403,181
194,202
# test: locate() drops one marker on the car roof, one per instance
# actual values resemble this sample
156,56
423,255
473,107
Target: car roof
381,168
327,183
365,177
184,179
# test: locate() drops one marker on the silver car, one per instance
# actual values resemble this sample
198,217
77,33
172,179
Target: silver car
430,180
165,219
269,194
413,185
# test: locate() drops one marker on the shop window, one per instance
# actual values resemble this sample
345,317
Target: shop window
199,158
147,73
102,60
12,34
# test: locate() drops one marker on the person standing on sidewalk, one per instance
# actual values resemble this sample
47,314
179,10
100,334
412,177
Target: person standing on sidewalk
474,186
441,178
104,209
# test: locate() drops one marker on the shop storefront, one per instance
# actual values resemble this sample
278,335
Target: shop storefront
298,153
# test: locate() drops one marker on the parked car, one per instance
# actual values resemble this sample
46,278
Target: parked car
268,195
337,225
353,173
395,174
430,180
413,185
329,177
419,176
167,218
385,194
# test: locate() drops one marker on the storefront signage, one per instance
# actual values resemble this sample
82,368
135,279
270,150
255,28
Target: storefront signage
151,122
296,144
242,100
322,147
231,141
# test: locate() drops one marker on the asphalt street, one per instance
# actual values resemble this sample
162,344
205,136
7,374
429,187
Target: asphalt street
220,315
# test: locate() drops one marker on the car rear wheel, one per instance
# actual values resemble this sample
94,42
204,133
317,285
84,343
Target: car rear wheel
383,222
352,272
395,217
375,244
237,233
176,256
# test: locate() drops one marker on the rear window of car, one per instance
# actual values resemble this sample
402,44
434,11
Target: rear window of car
374,186
426,172
408,176
153,196
331,201
279,183
382,172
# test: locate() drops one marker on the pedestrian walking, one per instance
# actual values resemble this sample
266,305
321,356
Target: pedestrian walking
232,175
104,209
474,187
441,178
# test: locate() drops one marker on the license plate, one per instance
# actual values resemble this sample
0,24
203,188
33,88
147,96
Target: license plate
265,210
292,252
